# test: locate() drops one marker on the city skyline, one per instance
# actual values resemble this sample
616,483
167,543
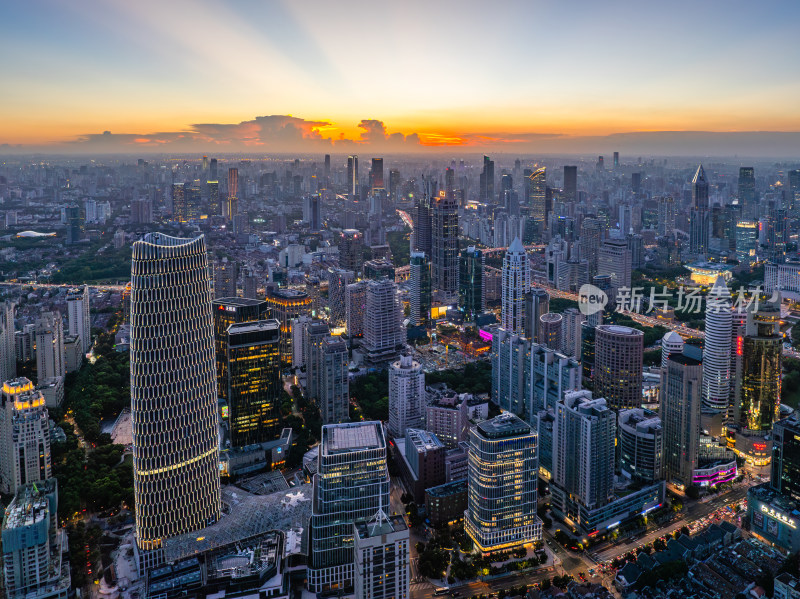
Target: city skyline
197,78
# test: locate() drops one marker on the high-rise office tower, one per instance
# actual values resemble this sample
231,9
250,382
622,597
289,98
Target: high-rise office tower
233,193
746,241
680,417
616,160
356,301
205,163
618,365
314,333
570,183
24,436
214,208
228,311
422,223
487,182
549,333
717,349
180,211
8,349
350,486
537,303
226,275
471,296
785,477
636,182
535,201
641,443
376,174
584,433
699,222
636,248
50,346
78,315
334,382
75,224
747,191
590,244
212,169
588,335
352,177
327,172
254,382
571,332
382,558
503,478
194,200
407,396
614,260
338,280
34,547
759,401
384,335
444,246
420,299
516,283
351,250
792,202
671,343
173,392
666,216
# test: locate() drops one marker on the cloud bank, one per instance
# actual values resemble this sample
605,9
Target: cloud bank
286,134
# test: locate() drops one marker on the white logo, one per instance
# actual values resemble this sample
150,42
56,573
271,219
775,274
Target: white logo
591,299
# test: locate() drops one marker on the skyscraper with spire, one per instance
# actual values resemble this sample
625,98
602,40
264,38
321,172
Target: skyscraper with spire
515,284
699,222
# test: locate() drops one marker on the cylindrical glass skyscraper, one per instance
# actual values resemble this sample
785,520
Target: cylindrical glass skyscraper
173,389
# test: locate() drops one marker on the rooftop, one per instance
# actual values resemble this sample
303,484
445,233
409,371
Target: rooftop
352,436
457,486
381,525
504,425
684,359
237,301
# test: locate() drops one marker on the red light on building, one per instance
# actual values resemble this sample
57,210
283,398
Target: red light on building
760,446
739,346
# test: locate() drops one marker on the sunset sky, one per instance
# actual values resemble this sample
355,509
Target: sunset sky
189,75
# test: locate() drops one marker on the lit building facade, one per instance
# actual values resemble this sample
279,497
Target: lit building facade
254,382
78,316
618,356
471,296
173,392
516,283
285,305
503,477
407,396
382,558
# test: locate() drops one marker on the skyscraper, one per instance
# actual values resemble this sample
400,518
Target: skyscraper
785,477
536,196
503,478
351,250
516,283
680,417
233,193
699,223
50,359
537,303
214,208
24,436
78,315
75,224
314,333
253,367
616,160
173,392
550,330
226,276
420,298
590,244
228,311
382,558
584,431
666,216
717,349
34,547
334,381
180,211
352,177
487,182
747,191
8,350
618,365
338,280
444,246
422,223
614,260
793,193
407,396
471,296
384,335
350,486
641,443
376,174
570,183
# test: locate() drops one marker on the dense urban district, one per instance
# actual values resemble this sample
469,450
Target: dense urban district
399,378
